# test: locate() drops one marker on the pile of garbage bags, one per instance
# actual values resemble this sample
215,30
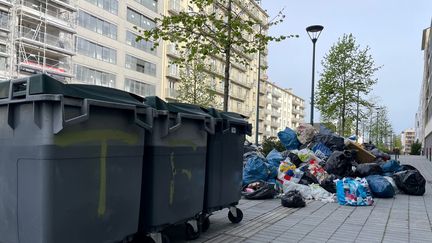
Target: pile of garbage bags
324,166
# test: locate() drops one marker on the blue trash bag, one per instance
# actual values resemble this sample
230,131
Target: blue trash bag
324,149
274,158
257,169
380,186
391,166
353,192
289,139
272,171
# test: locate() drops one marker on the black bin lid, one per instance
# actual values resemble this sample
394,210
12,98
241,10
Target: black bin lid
44,84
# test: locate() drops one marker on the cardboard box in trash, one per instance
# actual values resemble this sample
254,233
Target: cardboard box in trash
363,156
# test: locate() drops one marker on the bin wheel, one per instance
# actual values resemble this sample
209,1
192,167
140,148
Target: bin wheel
238,219
191,234
205,224
165,239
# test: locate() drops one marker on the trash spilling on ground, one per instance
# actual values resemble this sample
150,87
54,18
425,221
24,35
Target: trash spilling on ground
321,165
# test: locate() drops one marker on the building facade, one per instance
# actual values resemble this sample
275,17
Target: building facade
424,114
93,42
279,109
407,139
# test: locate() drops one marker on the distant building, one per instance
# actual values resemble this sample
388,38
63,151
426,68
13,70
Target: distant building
407,138
282,108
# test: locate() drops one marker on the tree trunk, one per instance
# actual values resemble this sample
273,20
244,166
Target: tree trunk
227,58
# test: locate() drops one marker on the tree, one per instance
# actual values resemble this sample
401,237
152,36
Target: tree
271,143
416,148
193,88
347,74
217,28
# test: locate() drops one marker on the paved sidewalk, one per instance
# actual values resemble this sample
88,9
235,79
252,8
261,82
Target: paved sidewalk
401,219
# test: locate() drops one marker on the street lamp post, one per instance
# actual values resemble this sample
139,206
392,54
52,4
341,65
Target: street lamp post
314,32
258,94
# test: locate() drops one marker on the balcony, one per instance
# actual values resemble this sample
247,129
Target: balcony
34,63
174,7
275,124
276,93
69,4
262,103
56,17
173,72
171,93
172,51
275,113
264,63
53,42
297,111
276,103
296,102
238,96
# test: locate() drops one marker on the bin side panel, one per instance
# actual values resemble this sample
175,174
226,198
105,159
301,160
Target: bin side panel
225,168
50,185
173,185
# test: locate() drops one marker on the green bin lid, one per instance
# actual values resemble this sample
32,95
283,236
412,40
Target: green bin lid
44,84
175,107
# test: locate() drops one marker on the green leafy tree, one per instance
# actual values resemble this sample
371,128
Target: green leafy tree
271,143
193,87
348,73
416,148
215,28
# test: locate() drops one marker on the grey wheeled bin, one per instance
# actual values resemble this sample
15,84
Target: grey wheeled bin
71,162
224,169
174,168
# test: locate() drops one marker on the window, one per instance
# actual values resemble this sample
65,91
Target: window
150,4
96,51
108,5
93,76
139,88
140,65
139,20
97,25
4,20
142,44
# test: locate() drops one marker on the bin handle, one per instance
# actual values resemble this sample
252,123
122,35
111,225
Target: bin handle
210,129
85,109
13,88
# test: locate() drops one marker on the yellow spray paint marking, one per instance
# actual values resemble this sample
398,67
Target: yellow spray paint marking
67,139
172,185
188,173
183,142
103,180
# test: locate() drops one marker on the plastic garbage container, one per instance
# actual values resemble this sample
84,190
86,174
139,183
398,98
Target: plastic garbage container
174,167
71,162
225,149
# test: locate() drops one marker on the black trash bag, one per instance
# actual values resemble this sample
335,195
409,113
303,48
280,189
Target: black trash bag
328,184
367,169
295,159
368,146
333,142
407,167
307,178
411,182
293,199
262,190
340,163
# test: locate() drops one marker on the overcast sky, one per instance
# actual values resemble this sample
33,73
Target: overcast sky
392,29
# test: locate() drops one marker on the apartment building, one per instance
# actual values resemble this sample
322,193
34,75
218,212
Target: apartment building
424,114
407,139
280,109
93,42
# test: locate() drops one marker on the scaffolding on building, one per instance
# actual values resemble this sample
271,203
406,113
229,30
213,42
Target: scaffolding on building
43,37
